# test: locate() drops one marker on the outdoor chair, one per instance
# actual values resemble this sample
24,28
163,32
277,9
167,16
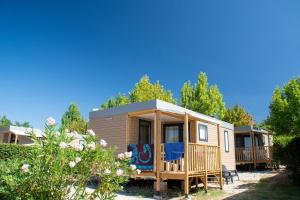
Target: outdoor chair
229,174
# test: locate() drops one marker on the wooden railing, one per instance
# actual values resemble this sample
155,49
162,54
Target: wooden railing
171,166
201,158
256,154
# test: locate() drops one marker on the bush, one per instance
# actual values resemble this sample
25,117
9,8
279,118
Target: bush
61,168
292,158
279,148
12,151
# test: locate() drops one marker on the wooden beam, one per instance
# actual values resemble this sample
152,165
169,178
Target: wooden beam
253,148
186,161
141,112
220,157
128,127
16,139
158,150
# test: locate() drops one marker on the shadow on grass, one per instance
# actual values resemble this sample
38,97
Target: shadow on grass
276,187
144,188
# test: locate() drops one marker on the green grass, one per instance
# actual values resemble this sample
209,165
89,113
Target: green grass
210,195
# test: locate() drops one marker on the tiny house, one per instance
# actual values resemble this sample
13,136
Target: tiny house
168,141
253,146
18,135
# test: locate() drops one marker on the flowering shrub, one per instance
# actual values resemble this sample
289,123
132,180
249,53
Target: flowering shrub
63,166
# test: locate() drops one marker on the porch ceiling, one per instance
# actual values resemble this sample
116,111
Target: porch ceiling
164,118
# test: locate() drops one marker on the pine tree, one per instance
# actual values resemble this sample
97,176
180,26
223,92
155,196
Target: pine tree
73,120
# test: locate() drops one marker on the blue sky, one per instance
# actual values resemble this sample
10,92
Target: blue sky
53,52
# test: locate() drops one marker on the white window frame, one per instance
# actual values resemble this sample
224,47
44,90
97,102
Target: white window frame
206,133
226,141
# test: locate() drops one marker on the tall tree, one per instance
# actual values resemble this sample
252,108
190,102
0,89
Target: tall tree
238,116
144,90
73,120
4,121
284,118
203,98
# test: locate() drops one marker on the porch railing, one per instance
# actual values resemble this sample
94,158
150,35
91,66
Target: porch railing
201,158
256,154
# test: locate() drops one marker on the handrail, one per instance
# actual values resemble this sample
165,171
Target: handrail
260,153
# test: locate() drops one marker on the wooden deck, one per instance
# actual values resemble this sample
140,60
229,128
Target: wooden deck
253,155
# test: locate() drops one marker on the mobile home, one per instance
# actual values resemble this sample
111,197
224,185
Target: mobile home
168,141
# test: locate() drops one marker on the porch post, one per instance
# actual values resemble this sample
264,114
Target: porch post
157,130
186,161
253,148
16,139
220,157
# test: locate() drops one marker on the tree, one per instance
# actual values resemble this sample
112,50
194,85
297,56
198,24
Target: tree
238,116
144,90
284,118
73,120
4,121
24,124
202,98
121,99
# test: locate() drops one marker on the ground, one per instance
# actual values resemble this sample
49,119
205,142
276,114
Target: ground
252,185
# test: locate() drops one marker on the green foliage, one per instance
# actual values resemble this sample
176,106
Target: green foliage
284,116
73,121
203,98
144,90
24,124
279,147
238,116
292,158
61,168
12,151
4,121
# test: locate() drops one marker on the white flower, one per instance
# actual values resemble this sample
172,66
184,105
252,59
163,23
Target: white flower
119,172
103,143
76,146
128,154
50,121
63,145
107,171
92,146
133,167
91,132
121,156
138,171
72,164
25,168
77,159
67,130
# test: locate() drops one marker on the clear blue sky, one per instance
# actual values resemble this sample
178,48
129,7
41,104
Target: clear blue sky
56,52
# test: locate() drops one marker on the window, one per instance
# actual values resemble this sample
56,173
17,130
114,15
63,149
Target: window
226,140
202,131
144,132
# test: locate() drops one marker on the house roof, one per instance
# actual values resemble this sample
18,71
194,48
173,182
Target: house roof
245,129
21,131
158,105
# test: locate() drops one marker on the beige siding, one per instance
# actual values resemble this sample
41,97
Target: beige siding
212,134
112,130
228,158
24,140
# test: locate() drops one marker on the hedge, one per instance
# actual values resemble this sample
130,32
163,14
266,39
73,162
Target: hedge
9,151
